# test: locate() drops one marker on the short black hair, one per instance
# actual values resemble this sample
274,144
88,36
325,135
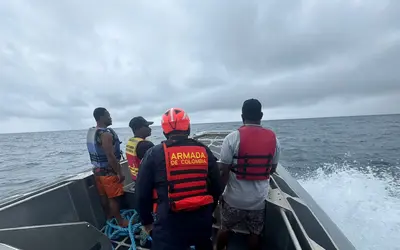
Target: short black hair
252,110
99,112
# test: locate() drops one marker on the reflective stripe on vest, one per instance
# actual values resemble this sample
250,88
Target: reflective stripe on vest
155,201
187,168
131,156
256,150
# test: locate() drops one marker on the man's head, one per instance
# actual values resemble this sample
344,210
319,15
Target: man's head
252,112
140,127
175,122
102,117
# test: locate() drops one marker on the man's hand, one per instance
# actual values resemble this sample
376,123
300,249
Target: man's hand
121,178
224,172
148,228
145,234
108,147
273,169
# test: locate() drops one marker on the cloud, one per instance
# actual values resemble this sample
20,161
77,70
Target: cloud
61,59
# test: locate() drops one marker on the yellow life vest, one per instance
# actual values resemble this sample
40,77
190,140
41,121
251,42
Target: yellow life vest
131,156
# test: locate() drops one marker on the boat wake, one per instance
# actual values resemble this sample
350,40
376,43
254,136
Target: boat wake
365,207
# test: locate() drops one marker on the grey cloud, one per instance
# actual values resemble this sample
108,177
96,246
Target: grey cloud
59,60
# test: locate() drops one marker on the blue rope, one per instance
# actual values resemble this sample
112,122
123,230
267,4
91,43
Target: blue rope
114,231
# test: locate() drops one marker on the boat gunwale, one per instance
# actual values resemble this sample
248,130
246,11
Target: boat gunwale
281,170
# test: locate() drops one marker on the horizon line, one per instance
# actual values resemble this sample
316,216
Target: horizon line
199,123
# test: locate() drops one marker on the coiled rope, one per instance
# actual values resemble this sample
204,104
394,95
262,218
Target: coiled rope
113,231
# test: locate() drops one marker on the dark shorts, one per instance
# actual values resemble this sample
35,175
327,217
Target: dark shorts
253,219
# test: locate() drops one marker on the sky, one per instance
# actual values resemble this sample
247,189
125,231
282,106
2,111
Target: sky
61,59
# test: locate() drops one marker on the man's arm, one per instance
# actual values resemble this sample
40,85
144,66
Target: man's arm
226,158
107,145
214,178
142,148
144,188
277,154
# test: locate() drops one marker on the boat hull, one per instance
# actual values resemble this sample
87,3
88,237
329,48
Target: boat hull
293,220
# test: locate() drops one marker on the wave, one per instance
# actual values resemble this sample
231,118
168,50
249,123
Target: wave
365,206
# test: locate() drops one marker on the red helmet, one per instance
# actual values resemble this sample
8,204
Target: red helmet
175,119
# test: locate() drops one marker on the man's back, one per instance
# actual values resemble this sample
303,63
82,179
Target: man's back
154,160
243,194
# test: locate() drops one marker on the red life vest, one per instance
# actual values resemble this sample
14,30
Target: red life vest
256,150
187,169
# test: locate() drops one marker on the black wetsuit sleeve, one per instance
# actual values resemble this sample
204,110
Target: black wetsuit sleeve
214,179
142,148
144,188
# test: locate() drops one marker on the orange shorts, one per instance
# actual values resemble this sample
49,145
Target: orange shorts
109,186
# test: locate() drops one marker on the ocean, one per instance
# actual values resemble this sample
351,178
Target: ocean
349,165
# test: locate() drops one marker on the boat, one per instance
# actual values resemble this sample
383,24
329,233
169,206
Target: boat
67,215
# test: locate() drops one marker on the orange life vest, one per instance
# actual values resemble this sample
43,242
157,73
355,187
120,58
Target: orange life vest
187,169
131,156
256,150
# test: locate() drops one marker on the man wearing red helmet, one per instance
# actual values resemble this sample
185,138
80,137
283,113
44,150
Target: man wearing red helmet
178,180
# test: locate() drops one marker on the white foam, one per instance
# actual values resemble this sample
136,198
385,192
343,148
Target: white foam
365,207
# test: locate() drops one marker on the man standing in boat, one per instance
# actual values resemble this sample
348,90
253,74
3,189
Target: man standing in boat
138,145
181,175
249,156
104,150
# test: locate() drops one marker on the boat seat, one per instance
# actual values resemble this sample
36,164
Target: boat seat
7,247
64,236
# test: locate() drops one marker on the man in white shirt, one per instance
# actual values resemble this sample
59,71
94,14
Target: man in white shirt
249,156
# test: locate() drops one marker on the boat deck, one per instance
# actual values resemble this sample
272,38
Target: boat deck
213,140
237,242
67,215
122,243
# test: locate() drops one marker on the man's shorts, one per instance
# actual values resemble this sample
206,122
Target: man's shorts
109,186
253,219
